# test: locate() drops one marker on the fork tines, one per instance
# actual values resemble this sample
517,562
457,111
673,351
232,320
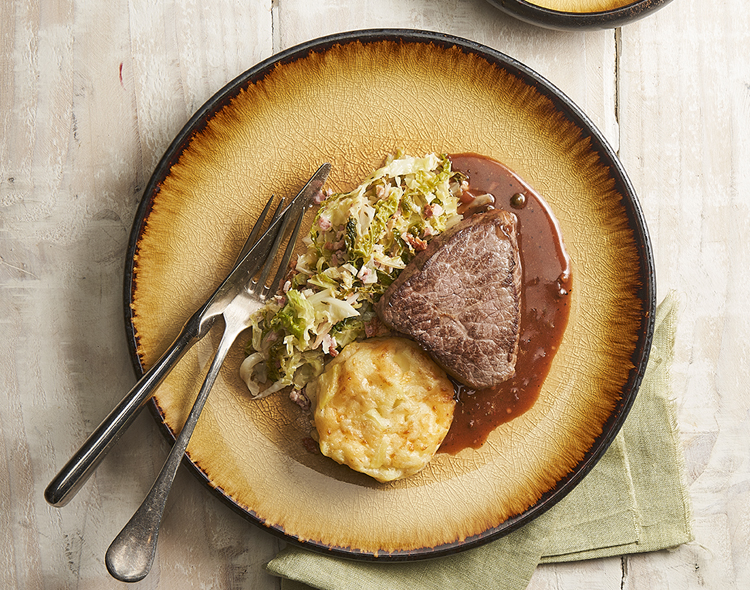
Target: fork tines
257,287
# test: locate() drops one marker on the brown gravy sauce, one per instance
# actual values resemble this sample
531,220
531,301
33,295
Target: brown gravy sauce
546,280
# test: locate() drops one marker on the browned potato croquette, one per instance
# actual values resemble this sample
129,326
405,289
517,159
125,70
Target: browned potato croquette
383,408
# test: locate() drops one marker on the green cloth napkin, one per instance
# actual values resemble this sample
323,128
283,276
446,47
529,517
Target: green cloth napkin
634,500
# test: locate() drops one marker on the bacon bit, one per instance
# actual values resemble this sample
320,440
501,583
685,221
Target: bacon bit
324,223
417,243
338,257
428,231
432,210
333,246
319,197
299,397
367,275
329,345
287,286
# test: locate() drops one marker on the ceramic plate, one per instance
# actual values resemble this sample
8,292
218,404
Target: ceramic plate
350,99
579,14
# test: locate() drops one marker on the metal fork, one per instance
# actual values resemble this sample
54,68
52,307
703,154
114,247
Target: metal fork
73,475
131,554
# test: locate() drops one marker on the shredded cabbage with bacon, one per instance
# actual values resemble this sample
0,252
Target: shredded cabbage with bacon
359,243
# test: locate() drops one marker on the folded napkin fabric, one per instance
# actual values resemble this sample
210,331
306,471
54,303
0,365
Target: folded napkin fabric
507,563
634,500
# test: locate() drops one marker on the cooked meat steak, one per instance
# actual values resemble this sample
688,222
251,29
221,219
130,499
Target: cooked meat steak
460,299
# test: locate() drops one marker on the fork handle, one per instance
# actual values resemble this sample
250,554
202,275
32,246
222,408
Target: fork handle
131,554
78,469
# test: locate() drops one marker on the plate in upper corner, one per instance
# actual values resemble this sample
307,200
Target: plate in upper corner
350,99
576,15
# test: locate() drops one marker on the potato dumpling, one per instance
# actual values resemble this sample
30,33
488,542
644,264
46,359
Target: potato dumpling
383,408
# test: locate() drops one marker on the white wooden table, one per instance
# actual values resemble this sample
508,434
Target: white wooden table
91,93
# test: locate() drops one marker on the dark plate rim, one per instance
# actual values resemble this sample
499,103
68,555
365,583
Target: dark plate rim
647,292
567,21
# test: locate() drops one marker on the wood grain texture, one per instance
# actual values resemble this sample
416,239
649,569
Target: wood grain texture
685,120
91,94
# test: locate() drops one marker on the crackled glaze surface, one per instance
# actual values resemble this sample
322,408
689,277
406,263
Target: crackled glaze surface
208,200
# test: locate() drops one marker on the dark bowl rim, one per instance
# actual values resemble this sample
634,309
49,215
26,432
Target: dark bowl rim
646,294
573,21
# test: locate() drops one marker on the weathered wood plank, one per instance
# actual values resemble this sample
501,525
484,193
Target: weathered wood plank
685,121
92,94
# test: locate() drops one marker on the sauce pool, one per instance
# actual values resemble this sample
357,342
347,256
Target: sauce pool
547,282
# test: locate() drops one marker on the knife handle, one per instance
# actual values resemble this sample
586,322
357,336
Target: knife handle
79,468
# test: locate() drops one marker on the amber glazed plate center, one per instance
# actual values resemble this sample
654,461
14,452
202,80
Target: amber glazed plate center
350,100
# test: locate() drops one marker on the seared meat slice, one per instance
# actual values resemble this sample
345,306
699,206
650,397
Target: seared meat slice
460,299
